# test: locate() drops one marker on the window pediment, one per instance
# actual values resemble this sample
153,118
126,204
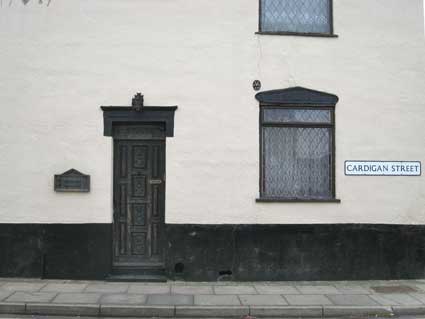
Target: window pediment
296,96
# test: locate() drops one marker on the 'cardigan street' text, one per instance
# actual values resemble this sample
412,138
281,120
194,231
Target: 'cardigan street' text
377,168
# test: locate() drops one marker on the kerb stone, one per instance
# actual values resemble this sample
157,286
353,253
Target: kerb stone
211,311
62,309
286,312
343,311
408,310
12,308
136,311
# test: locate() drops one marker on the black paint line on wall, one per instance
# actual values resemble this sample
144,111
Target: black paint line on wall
223,252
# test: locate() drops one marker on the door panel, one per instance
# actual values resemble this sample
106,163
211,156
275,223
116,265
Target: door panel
139,195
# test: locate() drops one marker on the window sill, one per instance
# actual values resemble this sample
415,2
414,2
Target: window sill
320,35
296,200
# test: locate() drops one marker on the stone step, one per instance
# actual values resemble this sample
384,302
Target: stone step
137,278
148,270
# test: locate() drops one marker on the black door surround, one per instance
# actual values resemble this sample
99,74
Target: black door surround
137,113
139,134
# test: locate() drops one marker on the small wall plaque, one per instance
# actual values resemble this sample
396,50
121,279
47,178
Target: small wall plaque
72,181
256,85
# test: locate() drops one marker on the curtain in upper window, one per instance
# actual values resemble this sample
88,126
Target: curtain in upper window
298,16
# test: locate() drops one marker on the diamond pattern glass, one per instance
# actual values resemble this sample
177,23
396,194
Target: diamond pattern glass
297,115
297,162
301,16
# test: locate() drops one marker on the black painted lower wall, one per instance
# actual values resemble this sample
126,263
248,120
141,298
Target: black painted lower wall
297,252
220,252
75,251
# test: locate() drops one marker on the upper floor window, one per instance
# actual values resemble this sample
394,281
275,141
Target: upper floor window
297,145
309,17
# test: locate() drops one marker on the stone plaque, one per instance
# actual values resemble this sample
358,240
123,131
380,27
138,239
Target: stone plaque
72,181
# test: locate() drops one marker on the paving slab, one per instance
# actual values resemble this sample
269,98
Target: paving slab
311,283
353,311
235,290
217,300
5,294
170,300
107,288
396,300
421,286
312,290
211,311
22,279
353,290
307,300
407,281
262,300
394,289
21,296
286,312
63,287
62,309
192,290
352,300
23,286
419,296
83,298
136,311
125,299
276,290
197,283
12,308
384,282
149,289
363,283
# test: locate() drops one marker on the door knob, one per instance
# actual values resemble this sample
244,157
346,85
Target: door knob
155,181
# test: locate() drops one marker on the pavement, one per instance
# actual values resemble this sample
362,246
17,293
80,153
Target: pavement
325,299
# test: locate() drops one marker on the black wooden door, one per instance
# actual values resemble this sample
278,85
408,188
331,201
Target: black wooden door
139,200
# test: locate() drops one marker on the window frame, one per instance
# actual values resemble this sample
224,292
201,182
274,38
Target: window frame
331,33
297,98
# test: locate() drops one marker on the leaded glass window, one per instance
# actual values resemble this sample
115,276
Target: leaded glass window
297,152
296,16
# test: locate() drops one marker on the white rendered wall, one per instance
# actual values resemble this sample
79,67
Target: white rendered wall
59,63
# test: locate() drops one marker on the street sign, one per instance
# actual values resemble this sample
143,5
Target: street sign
382,168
